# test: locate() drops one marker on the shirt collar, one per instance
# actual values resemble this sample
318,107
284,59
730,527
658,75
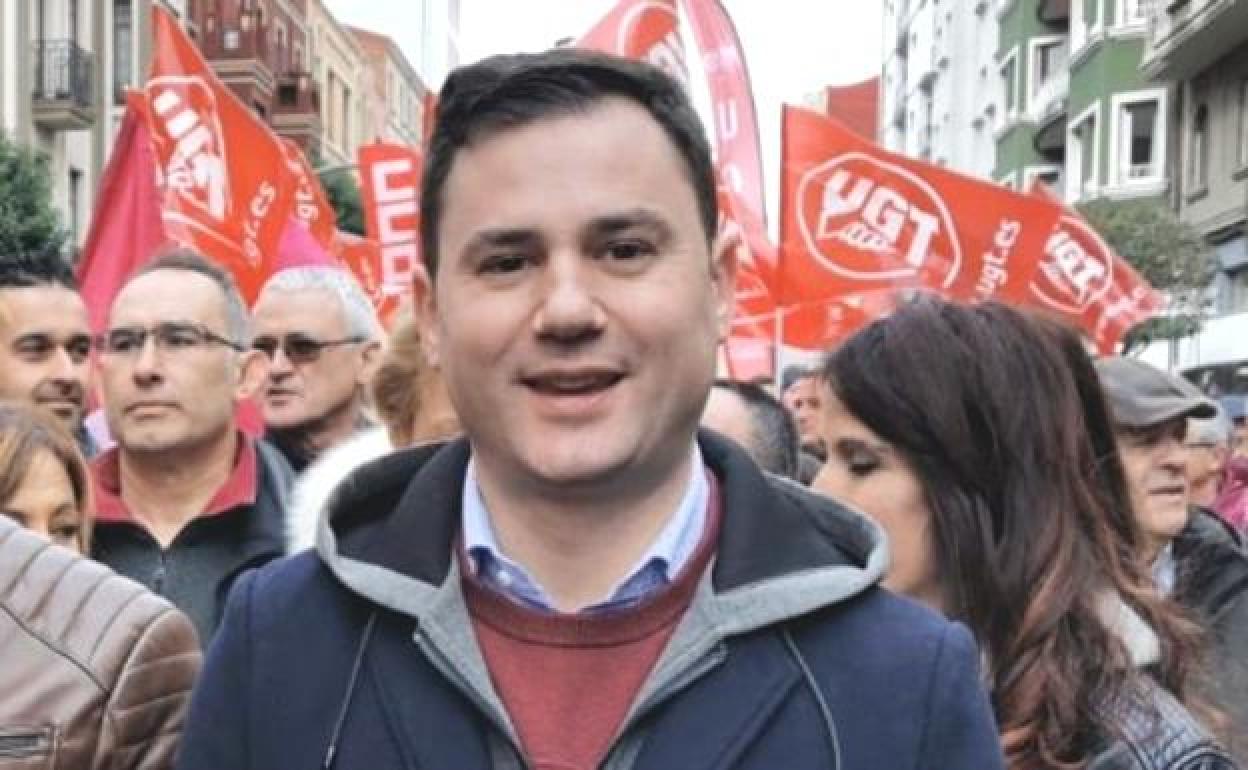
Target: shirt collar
239,489
669,552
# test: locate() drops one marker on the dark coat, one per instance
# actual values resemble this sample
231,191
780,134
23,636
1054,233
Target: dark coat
346,658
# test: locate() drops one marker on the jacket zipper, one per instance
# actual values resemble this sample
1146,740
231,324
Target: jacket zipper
24,743
710,659
444,666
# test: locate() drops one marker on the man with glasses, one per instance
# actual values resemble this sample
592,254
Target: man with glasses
322,339
186,501
45,340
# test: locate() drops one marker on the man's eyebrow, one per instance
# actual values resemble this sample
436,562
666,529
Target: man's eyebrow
501,237
609,224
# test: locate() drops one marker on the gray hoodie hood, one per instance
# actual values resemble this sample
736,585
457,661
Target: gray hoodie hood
390,530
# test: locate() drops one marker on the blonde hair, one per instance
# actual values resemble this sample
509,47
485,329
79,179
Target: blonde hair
407,391
24,431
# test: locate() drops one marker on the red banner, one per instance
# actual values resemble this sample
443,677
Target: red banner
858,218
390,191
642,29
312,207
1082,279
228,192
362,256
126,227
739,157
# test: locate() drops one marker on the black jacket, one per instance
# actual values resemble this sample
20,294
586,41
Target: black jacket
1212,582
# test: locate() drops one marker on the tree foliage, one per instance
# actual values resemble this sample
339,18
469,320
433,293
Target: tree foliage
1170,254
28,220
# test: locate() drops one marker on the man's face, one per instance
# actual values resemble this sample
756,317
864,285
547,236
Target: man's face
1155,461
303,391
577,308
161,398
803,401
45,347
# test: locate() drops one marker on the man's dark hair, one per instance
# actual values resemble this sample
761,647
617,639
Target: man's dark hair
237,318
504,92
44,268
775,432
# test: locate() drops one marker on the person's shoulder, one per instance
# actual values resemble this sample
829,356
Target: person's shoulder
891,629
83,612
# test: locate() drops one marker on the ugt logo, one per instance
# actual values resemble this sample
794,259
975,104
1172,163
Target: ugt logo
190,142
1078,268
869,220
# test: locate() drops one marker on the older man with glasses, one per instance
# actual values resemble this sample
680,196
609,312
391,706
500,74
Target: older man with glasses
323,342
186,501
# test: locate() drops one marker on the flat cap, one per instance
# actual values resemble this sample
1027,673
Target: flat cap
1142,396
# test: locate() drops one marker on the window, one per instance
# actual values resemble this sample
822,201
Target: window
1085,22
229,39
1132,13
1138,151
1198,151
123,40
75,205
1009,85
1083,155
1243,123
1048,60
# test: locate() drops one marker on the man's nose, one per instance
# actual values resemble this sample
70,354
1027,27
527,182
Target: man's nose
568,309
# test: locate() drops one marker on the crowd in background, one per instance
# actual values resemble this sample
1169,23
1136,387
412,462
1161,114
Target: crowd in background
527,527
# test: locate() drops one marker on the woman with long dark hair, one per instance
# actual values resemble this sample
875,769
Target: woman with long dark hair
981,441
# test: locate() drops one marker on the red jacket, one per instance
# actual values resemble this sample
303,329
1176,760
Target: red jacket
1232,502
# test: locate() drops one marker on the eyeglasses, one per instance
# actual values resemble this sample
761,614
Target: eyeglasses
299,348
169,337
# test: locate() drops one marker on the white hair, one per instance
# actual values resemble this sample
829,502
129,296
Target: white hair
356,308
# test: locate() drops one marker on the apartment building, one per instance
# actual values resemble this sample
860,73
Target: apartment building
1076,111
395,98
938,86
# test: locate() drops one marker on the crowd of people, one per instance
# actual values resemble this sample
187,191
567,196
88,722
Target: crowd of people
529,528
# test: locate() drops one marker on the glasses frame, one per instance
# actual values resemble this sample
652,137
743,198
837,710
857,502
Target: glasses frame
206,337
285,342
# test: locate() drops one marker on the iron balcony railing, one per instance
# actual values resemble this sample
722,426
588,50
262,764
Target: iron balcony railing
63,72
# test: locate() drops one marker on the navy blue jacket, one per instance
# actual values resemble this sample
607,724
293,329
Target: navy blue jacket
361,656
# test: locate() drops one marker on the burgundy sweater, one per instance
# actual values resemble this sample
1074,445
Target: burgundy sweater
567,680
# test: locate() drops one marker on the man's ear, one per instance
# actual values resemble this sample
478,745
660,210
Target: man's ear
425,313
252,369
371,354
725,256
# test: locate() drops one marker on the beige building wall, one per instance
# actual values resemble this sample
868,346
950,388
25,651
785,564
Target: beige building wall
396,93
340,70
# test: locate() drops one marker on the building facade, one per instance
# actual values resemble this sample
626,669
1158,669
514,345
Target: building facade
394,98
64,69
1201,48
259,48
342,76
856,105
937,89
1076,111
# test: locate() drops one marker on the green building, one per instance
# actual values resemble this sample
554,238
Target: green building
1074,109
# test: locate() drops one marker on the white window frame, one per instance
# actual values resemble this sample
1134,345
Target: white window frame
1196,175
1031,172
1076,189
1009,114
1009,181
1118,180
1033,46
1082,34
1125,21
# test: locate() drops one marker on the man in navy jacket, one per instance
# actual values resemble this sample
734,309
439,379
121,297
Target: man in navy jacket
584,580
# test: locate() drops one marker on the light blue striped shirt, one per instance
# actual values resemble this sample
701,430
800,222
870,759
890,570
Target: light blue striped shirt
656,568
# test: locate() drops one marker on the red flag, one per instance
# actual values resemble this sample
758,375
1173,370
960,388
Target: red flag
312,207
739,157
1085,281
362,256
641,29
390,191
126,227
858,218
228,191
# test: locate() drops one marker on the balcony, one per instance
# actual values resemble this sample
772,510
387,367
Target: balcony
297,108
1185,38
64,97
1055,13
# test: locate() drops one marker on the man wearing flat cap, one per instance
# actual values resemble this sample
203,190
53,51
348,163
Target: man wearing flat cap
1197,558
